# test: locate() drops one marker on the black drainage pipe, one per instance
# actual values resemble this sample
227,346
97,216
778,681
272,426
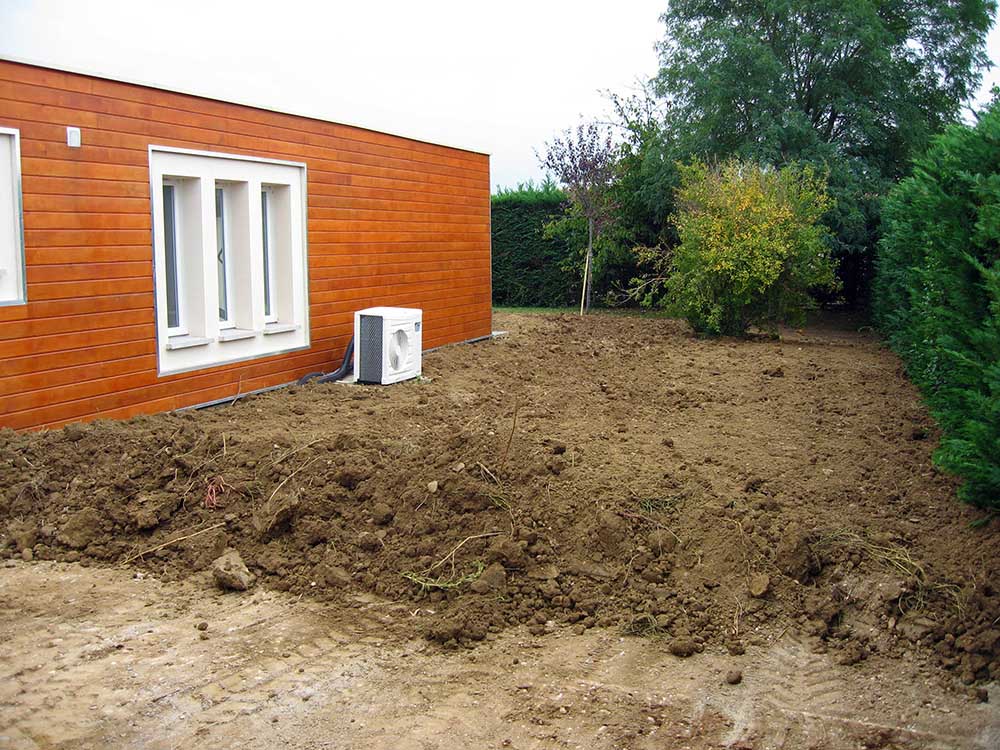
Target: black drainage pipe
346,367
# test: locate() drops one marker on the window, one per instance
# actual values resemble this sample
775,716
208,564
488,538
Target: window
12,279
267,234
229,242
222,257
172,260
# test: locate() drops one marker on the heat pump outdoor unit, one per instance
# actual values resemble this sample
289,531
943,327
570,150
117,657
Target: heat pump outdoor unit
387,344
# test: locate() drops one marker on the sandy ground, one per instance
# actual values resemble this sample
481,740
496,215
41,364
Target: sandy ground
103,657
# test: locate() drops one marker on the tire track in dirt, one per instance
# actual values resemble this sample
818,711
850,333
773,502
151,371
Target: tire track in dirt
273,671
796,698
800,684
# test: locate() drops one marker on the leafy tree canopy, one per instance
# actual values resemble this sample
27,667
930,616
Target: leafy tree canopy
856,85
776,79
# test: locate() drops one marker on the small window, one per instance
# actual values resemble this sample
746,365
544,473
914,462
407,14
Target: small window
222,253
267,234
173,260
12,279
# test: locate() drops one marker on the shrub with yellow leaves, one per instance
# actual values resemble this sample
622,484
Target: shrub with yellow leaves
751,247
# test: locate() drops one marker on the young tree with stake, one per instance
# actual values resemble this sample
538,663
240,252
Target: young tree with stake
584,162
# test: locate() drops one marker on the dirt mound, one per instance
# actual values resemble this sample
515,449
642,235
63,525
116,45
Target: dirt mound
603,472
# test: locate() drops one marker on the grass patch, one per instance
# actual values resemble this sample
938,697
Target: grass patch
653,505
616,312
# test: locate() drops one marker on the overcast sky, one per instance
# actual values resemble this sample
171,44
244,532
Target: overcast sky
500,77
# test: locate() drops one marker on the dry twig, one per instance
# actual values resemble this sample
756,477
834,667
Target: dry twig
510,438
158,547
286,479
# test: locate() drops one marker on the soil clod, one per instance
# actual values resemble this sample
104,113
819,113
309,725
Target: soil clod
683,647
760,584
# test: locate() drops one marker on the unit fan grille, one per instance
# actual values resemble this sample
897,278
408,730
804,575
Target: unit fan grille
370,364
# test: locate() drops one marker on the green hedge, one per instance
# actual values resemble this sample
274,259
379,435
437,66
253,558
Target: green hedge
937,295
530,270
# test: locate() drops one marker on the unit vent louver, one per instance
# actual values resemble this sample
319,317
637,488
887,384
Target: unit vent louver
387,344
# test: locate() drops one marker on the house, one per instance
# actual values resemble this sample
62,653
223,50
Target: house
160,250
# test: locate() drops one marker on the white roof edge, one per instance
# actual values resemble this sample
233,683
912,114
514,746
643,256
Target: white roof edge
188,92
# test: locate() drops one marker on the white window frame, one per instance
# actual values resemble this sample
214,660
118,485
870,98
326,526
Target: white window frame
181,328
16,256
248,333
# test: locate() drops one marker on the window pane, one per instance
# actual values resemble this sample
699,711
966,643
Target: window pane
220,242
170,247
11,255
267,252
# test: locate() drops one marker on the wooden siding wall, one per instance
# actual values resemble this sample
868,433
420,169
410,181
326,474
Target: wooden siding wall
391,221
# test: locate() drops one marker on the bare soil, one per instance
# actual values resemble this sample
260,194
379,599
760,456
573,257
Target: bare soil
611,474
110,659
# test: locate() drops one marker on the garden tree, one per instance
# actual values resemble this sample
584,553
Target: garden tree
858,86
640,202
937,295
646,172
751,247
584,163
646,178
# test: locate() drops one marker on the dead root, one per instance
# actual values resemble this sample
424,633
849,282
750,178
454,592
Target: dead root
454,579
898,560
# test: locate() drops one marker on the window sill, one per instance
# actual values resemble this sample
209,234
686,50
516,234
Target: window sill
186,342
235,334
272,328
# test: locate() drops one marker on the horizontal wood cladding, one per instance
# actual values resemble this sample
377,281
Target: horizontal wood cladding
391,221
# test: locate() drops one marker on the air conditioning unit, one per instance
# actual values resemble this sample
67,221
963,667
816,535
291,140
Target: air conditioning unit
387,344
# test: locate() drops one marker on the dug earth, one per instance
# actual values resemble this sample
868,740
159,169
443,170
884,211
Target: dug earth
607,474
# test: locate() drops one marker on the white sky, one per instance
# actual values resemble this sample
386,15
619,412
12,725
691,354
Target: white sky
501,76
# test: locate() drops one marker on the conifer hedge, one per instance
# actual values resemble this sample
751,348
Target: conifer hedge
530,269
937,295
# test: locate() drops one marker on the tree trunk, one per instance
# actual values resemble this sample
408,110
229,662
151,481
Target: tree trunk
589,274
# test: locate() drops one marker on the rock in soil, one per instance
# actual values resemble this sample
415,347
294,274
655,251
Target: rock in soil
734,677
230,572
